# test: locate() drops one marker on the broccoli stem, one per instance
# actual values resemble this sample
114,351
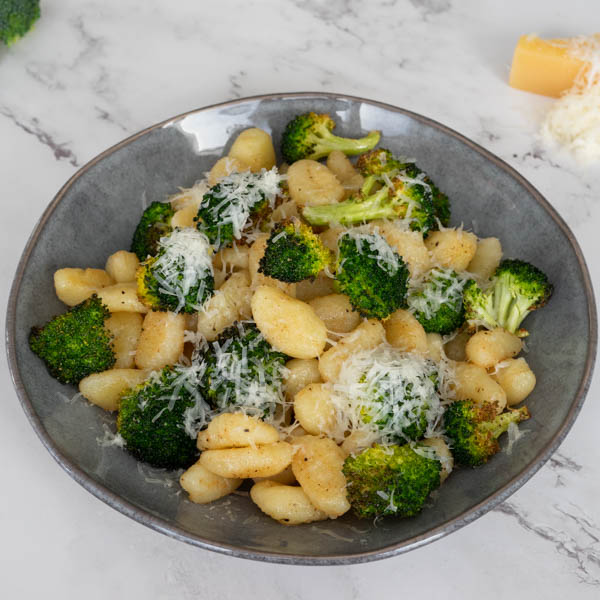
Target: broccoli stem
500,424
352,211
350,147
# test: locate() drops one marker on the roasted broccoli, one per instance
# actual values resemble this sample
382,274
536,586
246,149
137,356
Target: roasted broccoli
371,274
399,198
391,480
180,277
377,163
75,344
294,252
243,372
393,392
154,224
474,430
309,136
437,301
236,203
17,18
160,419
516,289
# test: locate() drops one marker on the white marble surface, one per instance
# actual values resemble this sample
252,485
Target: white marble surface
95,71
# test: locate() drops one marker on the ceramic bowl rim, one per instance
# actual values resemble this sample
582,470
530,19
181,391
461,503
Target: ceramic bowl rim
161,525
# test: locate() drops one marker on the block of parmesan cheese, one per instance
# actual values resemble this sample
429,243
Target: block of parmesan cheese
550,67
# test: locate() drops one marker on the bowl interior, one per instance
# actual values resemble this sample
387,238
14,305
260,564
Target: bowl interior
94,216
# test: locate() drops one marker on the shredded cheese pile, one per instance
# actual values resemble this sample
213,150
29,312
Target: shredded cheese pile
240,192
250,385
574,119
380,250
184,261
384,391
440,286
186,377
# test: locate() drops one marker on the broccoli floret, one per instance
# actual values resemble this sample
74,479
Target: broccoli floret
17,18
392,480
371,274
160,418
242,371
397,393
397,199
437,302
294,253
180,277
377,162
77,343
309,136
237,203
517,288
474,430
154,224
373,165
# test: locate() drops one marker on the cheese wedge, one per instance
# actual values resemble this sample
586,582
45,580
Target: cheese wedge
545,67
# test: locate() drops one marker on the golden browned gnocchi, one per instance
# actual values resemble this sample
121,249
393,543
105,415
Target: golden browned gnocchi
312,183
73,286
250,461
253,147
285,503
516,379
161,340
369,334
404,332
452,248
203,486
122,266
288,324
300,373
314,409
317,465
487,348
473,382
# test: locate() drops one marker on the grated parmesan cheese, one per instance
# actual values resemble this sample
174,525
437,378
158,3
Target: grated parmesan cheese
380,250
245,383
574,119
238,193
183,262
384,391
437,287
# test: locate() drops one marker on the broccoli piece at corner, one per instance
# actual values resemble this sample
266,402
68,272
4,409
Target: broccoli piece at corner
517,288
75,344
371,274
399,198
390,481
474,430
294,253
160,418
17,18
309,136
373,165
437,302
154,224
243,372
236,203
180,277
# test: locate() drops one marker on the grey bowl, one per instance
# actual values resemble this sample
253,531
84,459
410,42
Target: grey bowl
94,215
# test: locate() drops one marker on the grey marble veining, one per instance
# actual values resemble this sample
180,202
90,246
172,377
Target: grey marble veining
92,73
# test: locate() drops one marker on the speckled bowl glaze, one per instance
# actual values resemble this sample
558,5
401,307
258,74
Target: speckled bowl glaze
94,215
